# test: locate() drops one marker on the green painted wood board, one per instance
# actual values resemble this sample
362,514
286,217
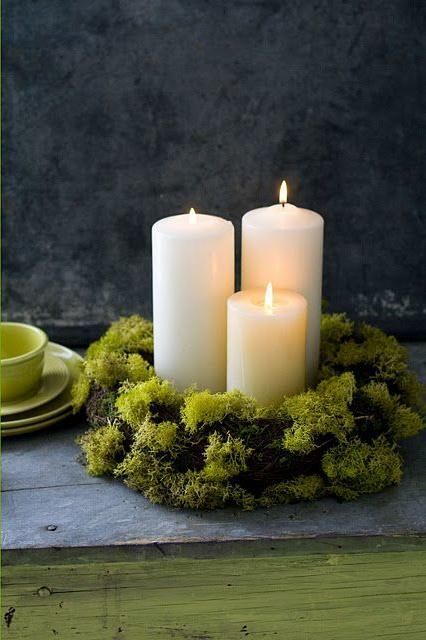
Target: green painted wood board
324,596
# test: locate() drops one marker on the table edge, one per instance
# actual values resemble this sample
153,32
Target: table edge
214,549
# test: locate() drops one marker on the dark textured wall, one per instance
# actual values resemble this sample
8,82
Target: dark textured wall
120,112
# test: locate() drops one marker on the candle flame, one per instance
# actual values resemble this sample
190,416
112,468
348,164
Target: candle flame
269,298
283,193
192,216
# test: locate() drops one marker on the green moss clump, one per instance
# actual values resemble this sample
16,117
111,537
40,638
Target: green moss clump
128,335
325,411
103,448
411,391
156,436
155,398
366,351
301,488
405,423
123,353
387,410
358,467
145,472
203,450
335,328
80,392
111,368
204,408
195,492
224,458
381,352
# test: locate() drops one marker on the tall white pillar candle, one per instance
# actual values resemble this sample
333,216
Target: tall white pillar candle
266,344
193,275
284,244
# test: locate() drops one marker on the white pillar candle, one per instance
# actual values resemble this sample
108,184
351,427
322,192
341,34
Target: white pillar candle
193,276
266,344
284,244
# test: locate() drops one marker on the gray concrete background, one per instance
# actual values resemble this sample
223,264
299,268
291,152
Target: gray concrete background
119,113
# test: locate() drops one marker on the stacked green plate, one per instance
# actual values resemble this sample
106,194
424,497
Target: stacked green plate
52,402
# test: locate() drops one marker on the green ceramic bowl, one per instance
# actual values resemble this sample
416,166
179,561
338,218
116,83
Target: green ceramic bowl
22,360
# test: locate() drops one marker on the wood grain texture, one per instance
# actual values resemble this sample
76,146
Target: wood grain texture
327,596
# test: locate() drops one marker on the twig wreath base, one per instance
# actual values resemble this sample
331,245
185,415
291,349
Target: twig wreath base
204,451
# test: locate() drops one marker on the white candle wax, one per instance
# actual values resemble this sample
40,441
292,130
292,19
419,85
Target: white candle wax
284,245
266,344
193,275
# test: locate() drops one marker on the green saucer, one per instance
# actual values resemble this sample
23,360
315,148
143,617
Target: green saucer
59,405
18,431
54,380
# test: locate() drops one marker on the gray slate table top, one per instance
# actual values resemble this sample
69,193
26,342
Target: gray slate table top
50,502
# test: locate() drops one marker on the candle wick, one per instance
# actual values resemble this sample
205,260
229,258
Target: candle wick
283,204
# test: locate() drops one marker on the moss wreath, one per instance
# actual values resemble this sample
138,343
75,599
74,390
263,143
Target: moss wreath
204,451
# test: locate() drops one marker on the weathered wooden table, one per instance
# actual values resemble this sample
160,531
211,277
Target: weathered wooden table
88,558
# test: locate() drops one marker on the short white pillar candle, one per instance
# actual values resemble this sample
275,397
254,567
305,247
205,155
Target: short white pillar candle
193,276
284,244
266,343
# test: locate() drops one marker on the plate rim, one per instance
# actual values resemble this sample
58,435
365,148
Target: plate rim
30,428
23,422
38,403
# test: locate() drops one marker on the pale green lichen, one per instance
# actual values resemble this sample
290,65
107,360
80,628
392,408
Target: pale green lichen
156,436
335,328
204,408
301,488
131,335
401,420
202,450
224,458
154,397
80,391
143,471
325,411
103,448
358,467
124,353
411,391
195,492
111,368
365,350
382,353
